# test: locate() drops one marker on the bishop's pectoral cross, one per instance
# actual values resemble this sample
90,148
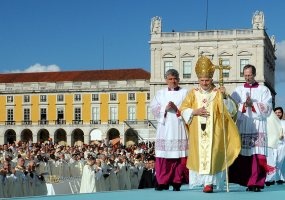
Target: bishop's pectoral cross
221,68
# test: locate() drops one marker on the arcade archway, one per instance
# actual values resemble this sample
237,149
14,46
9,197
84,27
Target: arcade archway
113,134
77,137
43,136
60,137
26,135
10,136
131,137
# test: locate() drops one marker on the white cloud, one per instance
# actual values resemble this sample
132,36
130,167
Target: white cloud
280,62
38,68
280,97
42,68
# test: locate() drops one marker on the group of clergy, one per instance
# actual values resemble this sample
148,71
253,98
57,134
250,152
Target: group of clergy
25,169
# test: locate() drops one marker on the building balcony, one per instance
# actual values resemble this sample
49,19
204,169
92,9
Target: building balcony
27,122
77,121
131,121
10,122
60,121
113,121
95,121
43,122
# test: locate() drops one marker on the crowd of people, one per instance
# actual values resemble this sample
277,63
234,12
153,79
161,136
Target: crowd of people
205,137
26,167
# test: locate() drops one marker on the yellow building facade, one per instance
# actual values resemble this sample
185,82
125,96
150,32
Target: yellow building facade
75,107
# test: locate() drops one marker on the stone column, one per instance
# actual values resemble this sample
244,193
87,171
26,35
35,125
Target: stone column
86,138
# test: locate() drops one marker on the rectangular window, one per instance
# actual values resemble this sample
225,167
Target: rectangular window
148,112
59,85
95,97
131,113
113,113
77,97
95,113
187,69
168,65
77,114
243,62
10,99
43,114
43,98
10,114
60,113
26,98
26,114
226,72
148,96
60,98
131,96
113,97
77,84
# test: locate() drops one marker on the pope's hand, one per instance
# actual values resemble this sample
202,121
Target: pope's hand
201,112
222,90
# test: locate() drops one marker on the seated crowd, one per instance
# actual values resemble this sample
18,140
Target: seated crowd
25,168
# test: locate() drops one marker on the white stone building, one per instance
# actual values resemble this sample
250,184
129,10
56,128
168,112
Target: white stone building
236,48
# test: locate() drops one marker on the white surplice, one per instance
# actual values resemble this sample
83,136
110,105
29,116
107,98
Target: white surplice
280,165
252,122
171,135
89,179
275,154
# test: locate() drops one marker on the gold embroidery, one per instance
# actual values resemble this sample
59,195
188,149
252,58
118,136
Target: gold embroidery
205,98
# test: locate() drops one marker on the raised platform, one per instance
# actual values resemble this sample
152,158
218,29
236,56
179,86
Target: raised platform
236,193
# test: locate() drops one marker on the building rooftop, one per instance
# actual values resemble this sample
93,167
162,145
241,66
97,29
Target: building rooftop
88,75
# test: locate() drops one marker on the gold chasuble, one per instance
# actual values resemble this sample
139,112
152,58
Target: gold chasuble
206,147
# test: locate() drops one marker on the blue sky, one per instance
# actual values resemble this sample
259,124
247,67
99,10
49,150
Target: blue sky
52,35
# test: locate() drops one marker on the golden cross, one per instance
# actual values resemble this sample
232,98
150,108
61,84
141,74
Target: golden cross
221,67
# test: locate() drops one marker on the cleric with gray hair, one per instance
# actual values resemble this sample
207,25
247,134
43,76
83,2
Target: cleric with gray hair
172,72
171,143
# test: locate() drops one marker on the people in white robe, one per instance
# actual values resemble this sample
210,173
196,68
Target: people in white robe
21,186
106,171
273,125
113,178
62,167
100,184
7,180
139,163
138,150
123,173
91,174
254,108
76,166
171,134
37,184
7,151
52,161
43,166
280,166
134,171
